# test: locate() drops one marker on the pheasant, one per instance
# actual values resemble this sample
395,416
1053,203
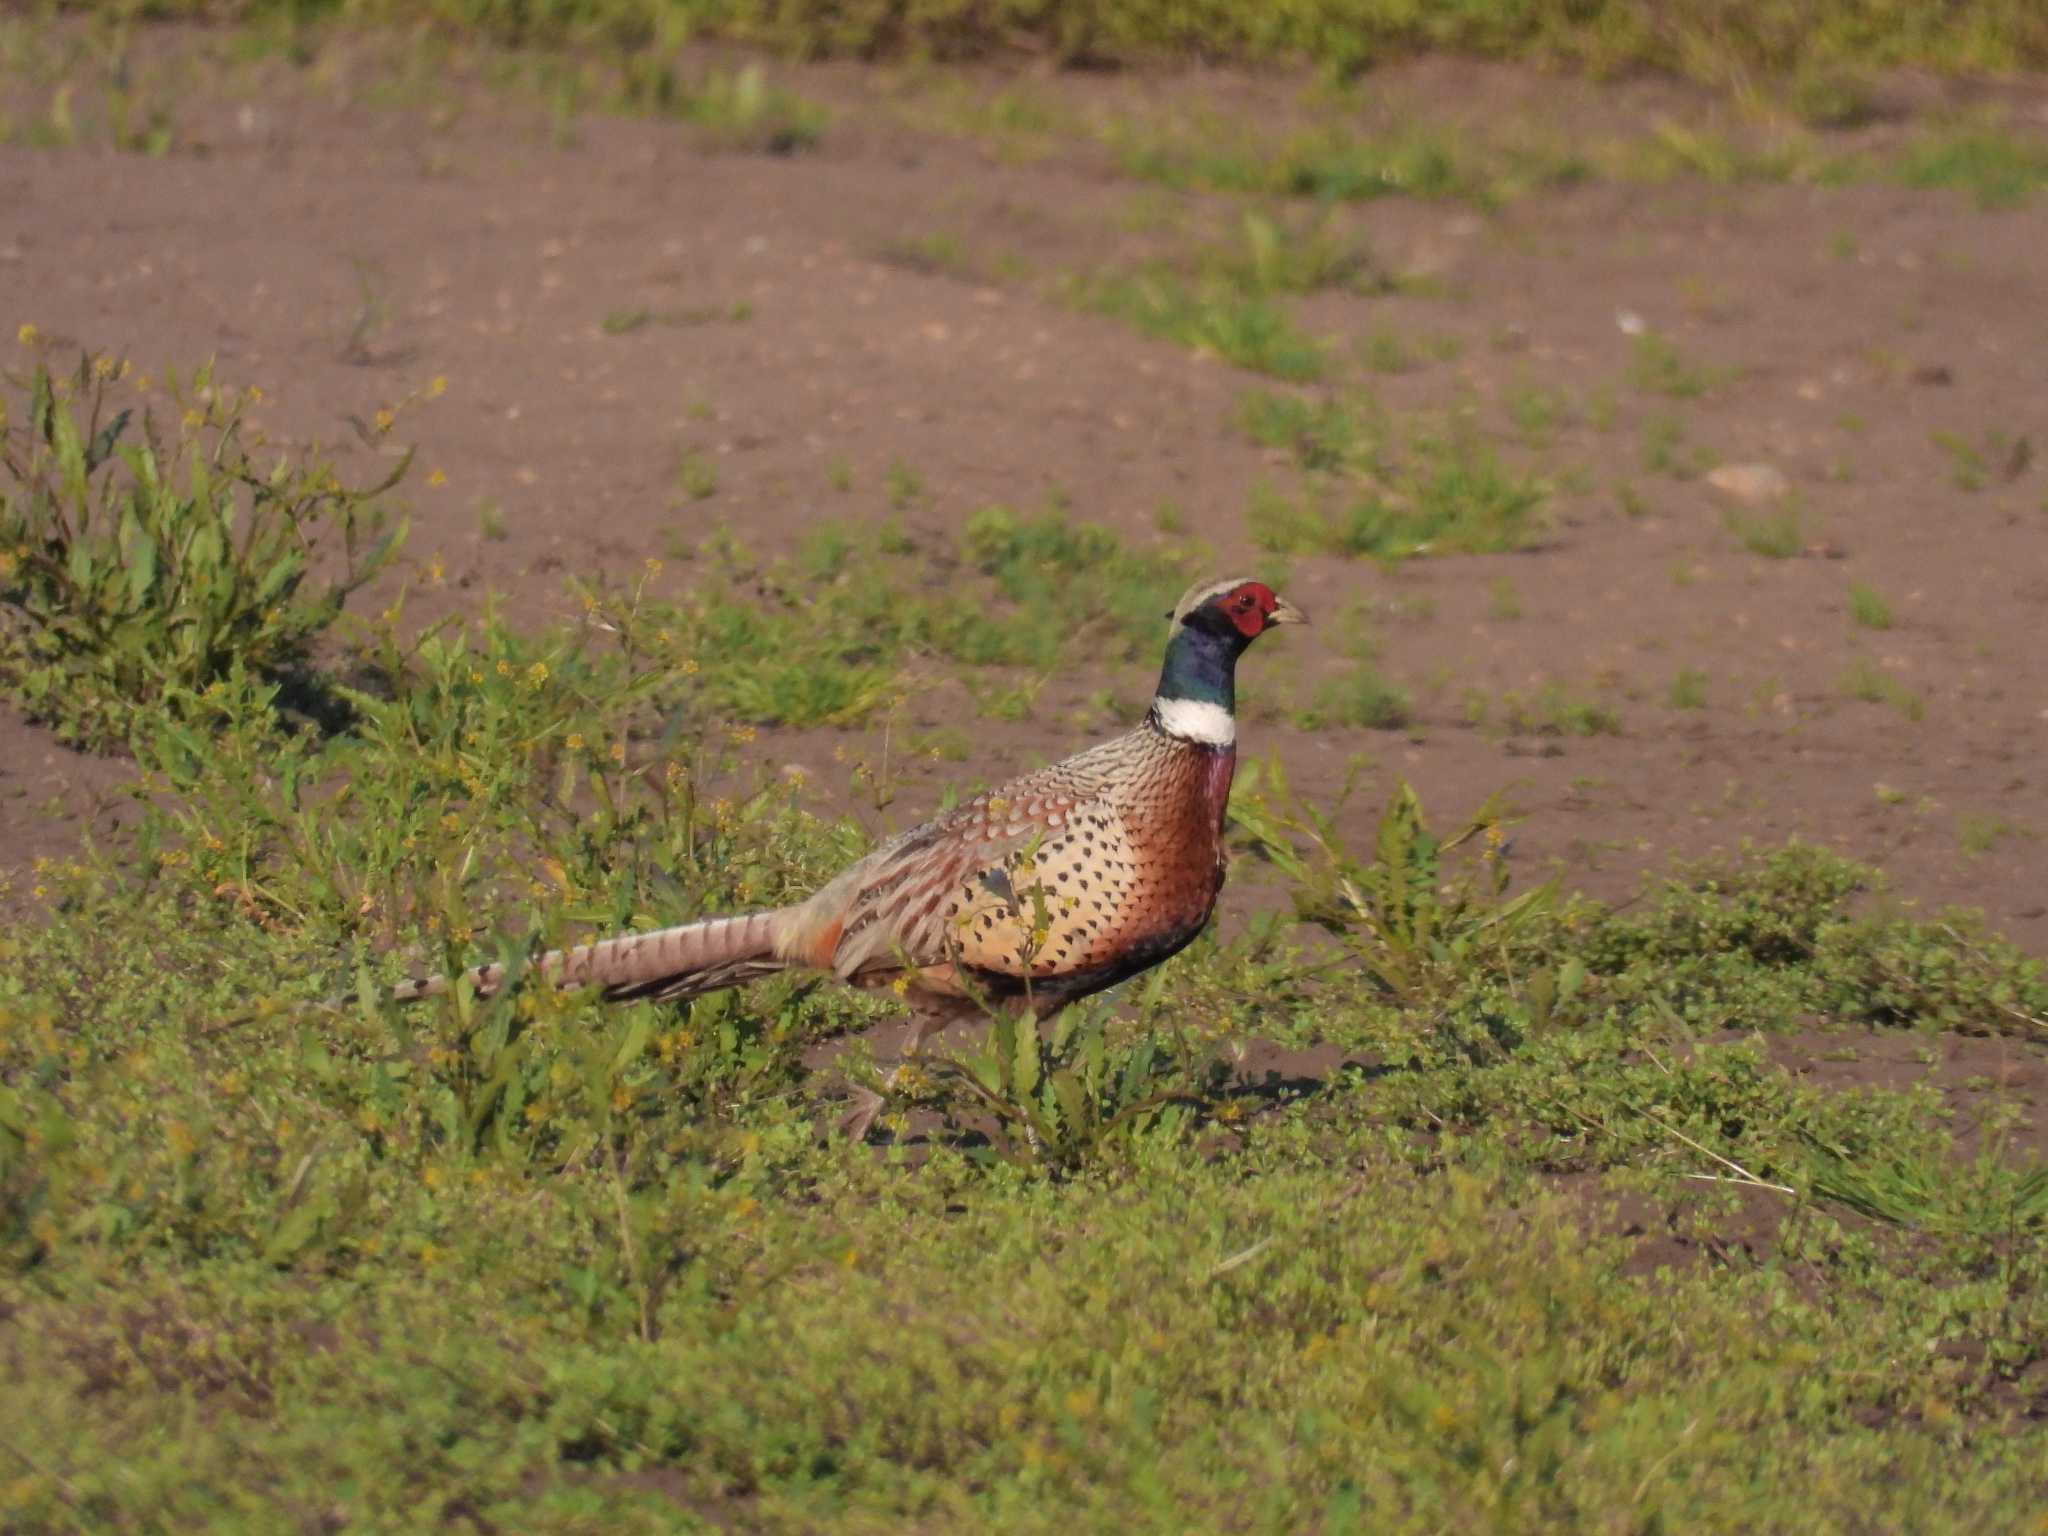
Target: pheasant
1041,891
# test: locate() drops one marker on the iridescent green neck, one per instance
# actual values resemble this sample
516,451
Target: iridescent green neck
1201,666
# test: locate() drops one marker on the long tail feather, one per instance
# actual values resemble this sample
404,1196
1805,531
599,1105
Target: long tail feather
669,963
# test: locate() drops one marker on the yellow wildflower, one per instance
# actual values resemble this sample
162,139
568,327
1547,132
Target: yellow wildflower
436,479
437,386
385,417
28,335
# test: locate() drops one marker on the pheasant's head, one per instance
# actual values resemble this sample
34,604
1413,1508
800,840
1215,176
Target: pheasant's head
1238,609
1212,625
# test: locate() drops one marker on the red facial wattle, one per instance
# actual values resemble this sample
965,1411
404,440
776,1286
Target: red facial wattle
1249,607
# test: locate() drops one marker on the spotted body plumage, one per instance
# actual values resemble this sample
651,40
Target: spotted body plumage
1043,890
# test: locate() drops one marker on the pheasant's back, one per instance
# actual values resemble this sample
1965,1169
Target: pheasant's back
1076,875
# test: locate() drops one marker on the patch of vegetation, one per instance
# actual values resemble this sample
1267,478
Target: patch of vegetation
1555,709
1537,411
1778,535
903,485
1249,332
1666,450
1328,166
145,563
550,1261
937,252
1228,299
1867,681
623,322
1868,608
1718,44
740,109
1441,489
696,475
1978,834
1384,351
1688,689
1361,698
1997,167
1656,366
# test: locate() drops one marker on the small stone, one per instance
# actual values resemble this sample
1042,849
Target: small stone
1752,484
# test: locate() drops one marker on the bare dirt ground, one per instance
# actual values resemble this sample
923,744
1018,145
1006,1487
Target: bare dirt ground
341,254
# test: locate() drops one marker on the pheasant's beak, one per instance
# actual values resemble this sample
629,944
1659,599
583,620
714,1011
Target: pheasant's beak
1285,612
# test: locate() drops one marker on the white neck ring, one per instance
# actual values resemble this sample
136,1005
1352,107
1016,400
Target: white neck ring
1209,725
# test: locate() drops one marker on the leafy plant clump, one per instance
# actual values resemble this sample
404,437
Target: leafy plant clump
144,563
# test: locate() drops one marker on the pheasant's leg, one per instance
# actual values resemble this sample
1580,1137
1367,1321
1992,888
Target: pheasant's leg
865,1103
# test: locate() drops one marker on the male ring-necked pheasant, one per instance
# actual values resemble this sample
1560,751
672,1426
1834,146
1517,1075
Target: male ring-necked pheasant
1052,886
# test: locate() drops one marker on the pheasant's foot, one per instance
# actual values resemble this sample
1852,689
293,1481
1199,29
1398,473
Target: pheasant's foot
863,1106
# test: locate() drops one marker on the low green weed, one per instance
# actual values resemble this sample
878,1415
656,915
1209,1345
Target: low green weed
1998,168
143,562
1779,535
1688,689
1440,490
1656,366
1868,608
1057,1095
1361,698
739,109
1247,331
1867,681
1419,936
1666,450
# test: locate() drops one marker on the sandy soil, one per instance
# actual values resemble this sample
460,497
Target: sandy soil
470,241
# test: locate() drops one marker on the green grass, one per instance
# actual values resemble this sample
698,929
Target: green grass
1717,43
1658,367
1776,535
144,565
1556,709
541,1264
1360,698
1250,331
1371,490
1867,681
553,1262
1666,449
1688,689
1868,608
1998,168
903,485
696,475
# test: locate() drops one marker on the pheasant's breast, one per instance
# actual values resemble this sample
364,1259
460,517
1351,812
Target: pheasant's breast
1123,879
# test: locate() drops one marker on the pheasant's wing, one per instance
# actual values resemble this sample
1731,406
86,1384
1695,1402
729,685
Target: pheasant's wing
969,885
904,902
